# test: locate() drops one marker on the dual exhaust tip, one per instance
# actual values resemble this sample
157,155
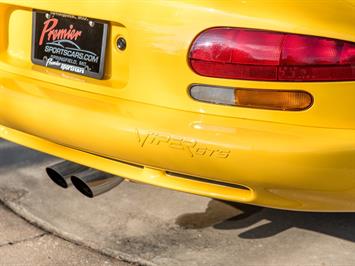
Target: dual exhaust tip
88,181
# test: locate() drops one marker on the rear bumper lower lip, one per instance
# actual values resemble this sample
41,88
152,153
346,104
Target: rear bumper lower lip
130,171
269,194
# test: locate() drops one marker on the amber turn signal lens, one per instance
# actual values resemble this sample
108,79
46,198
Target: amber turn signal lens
253,98
272,99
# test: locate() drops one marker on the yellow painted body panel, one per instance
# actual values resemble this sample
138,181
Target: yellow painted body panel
141,113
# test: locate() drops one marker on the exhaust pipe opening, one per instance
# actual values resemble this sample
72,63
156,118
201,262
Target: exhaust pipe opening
92,182
82,187
61,172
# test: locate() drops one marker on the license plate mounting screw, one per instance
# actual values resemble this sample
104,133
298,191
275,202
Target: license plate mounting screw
121,43
91,23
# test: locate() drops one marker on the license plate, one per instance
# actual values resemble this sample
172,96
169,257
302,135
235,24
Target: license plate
69,43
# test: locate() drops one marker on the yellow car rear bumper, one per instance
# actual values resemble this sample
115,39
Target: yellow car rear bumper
263,163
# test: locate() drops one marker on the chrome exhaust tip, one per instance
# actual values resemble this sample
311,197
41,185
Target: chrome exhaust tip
92,182
61,172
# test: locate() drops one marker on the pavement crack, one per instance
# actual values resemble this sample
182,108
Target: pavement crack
12,243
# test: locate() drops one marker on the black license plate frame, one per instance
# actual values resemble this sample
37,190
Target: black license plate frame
69,43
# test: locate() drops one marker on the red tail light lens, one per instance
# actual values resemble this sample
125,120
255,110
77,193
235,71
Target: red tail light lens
262,55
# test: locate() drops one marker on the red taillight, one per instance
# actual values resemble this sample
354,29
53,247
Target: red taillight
262,55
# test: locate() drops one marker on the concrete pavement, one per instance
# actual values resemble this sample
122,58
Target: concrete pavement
153,226
25,244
